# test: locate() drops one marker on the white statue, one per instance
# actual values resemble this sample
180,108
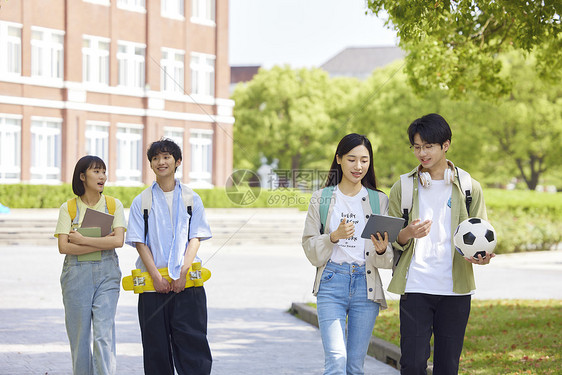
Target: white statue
267,175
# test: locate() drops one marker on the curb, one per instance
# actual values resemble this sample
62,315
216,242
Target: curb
378,348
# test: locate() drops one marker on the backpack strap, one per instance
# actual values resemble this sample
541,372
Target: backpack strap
325,201
374,201
465,183
406,203
71,205
73,211
146,205
407,199
187,197
110,204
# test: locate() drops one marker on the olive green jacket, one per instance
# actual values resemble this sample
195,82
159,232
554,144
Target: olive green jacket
463,277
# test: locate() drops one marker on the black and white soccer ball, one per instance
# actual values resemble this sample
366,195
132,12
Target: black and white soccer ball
475,236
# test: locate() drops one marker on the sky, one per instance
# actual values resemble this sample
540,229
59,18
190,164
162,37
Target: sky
301,33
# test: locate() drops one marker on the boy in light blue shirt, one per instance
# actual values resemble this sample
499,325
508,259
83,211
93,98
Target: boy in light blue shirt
173,320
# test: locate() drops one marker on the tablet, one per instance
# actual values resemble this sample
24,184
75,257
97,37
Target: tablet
381,224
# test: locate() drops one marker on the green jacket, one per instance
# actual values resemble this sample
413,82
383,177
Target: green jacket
463,277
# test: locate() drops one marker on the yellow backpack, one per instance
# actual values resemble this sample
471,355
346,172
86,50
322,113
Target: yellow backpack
71,204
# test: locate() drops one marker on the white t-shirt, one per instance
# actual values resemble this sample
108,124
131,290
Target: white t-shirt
169,195
350,250
431,268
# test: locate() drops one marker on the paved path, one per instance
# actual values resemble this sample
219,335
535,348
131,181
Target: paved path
254,282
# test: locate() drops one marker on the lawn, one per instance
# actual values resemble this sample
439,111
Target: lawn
503,336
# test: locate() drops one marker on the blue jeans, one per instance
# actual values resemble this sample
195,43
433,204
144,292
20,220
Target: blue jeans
90,291
343,294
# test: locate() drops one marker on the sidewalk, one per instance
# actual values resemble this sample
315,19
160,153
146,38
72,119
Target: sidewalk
253,285
255,280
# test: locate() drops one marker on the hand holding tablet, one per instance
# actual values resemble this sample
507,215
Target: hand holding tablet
380,224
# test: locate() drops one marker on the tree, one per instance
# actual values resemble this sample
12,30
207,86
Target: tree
455,45
290,115
528,124
519,135
388,106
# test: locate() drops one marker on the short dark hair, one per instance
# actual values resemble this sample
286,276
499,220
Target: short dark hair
164,145
348,143
432,128
85,163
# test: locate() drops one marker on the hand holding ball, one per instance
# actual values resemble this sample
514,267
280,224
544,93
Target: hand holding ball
475,237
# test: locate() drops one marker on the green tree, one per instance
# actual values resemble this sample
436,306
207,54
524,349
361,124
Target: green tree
383,111
455,45
519,135
288,114
388,106
527,126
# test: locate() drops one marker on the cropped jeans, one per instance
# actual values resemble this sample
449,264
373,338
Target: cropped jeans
90,290
343,294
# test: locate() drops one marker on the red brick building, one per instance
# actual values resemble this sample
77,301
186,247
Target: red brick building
108,77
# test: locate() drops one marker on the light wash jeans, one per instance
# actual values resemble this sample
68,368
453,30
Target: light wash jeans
90,291
343,293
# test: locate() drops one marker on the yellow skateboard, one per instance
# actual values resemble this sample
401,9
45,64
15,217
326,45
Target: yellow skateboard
140,282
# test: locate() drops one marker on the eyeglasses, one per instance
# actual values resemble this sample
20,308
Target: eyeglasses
426,147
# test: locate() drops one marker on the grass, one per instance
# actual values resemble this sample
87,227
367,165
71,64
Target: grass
504,337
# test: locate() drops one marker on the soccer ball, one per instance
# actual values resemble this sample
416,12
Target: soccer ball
475,236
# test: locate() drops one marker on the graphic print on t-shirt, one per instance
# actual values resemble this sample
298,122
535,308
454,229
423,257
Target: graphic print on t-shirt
349,217
349,250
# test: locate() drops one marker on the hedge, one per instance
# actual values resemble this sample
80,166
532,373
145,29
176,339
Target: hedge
52,196
524,220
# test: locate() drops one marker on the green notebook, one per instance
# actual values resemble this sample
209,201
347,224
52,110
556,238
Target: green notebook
90,232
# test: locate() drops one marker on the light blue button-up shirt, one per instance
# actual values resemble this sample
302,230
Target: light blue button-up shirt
167,236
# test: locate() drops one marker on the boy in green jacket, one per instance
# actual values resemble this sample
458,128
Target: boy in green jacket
435,281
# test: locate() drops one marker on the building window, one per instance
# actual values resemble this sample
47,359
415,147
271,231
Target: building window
10,48
45,150
10,148
133,5
97,139
176,135
130,57
172,70
201,142
129,154
47,47
95,60
202,74
173,9
204,11
99,2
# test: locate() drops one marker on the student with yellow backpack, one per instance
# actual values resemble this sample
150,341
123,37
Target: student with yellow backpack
90,278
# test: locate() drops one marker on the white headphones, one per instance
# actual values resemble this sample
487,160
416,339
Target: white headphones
448,175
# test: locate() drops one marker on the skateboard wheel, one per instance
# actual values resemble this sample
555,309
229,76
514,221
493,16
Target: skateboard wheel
138,289
196,266
198,282
136,273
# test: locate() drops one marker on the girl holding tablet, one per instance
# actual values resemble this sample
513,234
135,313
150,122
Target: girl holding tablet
347,285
